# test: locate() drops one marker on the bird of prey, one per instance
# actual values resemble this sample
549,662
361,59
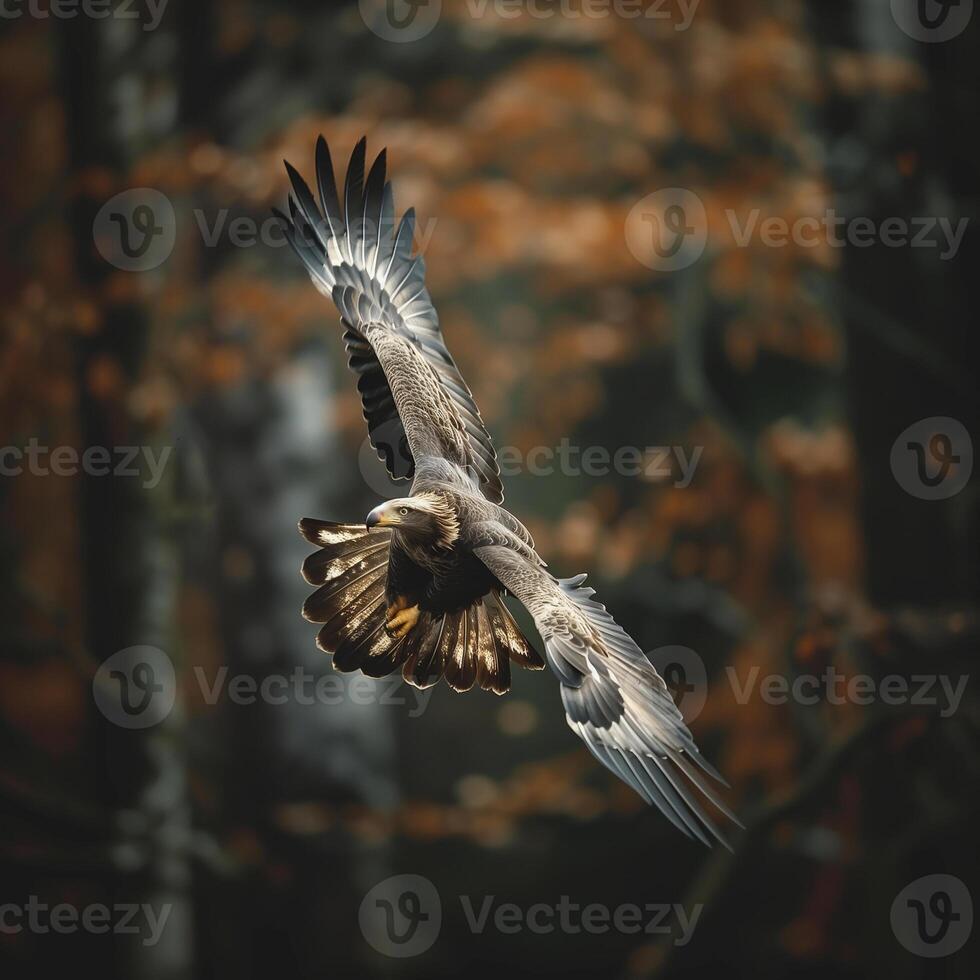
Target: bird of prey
419,586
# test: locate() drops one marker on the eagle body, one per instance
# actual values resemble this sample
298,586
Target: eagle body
435,579
420,586
462,629
443,547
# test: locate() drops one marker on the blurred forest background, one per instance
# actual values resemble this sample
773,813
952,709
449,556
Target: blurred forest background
524,142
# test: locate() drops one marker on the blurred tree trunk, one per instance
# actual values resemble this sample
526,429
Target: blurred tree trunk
128,564
906,312
907,315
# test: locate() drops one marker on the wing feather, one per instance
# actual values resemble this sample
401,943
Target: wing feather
327,188
364,263
614,699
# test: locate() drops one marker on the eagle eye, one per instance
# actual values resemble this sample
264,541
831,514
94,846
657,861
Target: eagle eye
403,511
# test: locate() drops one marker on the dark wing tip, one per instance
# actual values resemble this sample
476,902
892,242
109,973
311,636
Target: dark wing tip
310,527
356,167
293,174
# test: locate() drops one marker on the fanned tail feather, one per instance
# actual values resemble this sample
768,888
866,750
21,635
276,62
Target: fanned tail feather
351,571
468,647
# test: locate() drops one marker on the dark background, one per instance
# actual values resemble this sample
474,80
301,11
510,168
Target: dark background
524,143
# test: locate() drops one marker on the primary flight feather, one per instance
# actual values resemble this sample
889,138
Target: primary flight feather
419,587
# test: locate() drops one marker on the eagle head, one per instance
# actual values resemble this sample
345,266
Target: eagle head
428,518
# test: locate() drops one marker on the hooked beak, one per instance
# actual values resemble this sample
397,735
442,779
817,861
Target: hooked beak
377,517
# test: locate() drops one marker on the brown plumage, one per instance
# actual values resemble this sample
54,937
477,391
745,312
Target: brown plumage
420,587
469,646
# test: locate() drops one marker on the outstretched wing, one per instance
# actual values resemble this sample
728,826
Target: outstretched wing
415,401
614,699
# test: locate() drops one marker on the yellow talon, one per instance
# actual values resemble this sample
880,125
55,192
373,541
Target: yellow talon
401,602
401,620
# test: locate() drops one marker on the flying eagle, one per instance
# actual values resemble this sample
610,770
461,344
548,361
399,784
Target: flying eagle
419,586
